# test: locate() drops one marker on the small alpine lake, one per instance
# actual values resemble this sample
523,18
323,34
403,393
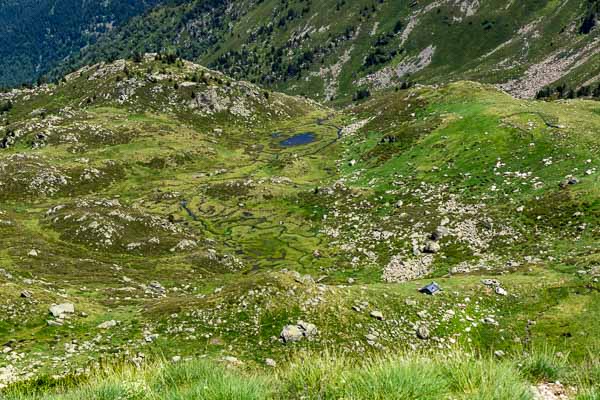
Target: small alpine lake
298,139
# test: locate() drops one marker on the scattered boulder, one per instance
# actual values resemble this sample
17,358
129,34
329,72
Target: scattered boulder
59,310
500,291
269,362
371,339
377,315
26,294
423,332
569,180
156,288
304,279
360,307
490,282
431,247
295,333
8,141
232,361
8,374
308,329
494,283
150,337
551,391
291,333
38,112
183,245
108,324
439,233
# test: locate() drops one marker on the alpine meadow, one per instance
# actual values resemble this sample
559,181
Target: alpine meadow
291,199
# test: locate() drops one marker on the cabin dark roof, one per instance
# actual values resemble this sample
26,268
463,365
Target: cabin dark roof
431,288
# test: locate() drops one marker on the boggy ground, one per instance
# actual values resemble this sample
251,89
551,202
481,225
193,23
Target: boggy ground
157,200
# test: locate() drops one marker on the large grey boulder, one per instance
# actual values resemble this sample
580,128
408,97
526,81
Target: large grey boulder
377,315
423,332
295,333
308,329
291,333
59,310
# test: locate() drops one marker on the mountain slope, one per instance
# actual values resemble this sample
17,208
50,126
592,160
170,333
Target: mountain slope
330,49
182,213
38,34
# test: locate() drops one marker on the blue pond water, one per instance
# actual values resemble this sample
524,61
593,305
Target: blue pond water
299,139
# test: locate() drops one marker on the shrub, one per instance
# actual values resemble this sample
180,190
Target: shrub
6,106
361,94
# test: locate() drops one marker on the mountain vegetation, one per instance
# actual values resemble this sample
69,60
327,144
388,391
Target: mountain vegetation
285,199
155,211
324,50
38,34
327,50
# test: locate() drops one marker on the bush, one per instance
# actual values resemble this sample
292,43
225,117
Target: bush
361,94
6,106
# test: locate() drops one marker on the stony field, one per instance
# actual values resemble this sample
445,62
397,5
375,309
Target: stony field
152,211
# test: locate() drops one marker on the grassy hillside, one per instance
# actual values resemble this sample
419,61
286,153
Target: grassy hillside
168,205
453,375
330,49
